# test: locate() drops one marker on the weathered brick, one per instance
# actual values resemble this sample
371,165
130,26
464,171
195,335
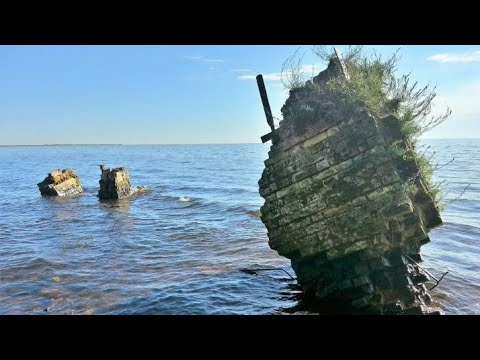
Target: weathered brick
335,202
360,280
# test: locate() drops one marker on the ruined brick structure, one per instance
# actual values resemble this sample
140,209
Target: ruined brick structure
337,206
61,183
115,184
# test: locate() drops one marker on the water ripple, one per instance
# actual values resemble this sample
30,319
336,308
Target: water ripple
178,248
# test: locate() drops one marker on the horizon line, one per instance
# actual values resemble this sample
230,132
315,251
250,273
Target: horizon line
115,144
167,144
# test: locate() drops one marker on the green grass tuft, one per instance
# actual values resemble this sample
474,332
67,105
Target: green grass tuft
375,85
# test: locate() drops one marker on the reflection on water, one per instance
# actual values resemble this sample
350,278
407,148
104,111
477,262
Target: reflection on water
158,254
121,206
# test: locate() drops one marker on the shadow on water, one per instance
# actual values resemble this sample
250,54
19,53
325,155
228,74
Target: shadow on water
309,305
305,304
63,199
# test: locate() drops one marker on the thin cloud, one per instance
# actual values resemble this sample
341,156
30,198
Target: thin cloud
203,59
242,70
307,69
463,101
468,57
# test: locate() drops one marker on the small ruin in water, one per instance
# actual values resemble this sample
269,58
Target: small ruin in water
115,184
60,183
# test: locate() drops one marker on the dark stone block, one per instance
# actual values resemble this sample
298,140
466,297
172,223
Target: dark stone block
361,268
363,302
397,259
321,259
393,307
345,284
361,280
381,279
379,263
414,310
419,278
424,241
416,257
397,237
368,289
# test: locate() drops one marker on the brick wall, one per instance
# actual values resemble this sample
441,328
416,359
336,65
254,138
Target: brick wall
336,204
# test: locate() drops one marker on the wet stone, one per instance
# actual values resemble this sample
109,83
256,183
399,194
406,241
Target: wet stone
115,184
60,183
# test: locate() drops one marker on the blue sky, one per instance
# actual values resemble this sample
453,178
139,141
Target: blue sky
188,94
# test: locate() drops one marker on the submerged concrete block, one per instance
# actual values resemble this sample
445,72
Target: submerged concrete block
60,183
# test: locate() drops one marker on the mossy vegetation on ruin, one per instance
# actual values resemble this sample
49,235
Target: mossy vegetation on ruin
61,183
372,84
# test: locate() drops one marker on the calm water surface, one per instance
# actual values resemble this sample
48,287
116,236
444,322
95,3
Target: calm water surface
178,249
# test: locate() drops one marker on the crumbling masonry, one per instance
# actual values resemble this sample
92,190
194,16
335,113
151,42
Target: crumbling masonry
115,184
337,204
60,183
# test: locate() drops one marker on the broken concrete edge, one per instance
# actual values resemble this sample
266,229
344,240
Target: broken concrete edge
61,183
138,190
342,209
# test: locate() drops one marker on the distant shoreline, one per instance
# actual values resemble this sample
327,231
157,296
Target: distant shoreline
61,145
132,144
472,138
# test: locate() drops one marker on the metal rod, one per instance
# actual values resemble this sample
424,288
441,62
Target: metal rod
438,282
252,271
428,273
266,104
409,258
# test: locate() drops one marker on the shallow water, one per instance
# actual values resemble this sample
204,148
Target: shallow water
178,248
